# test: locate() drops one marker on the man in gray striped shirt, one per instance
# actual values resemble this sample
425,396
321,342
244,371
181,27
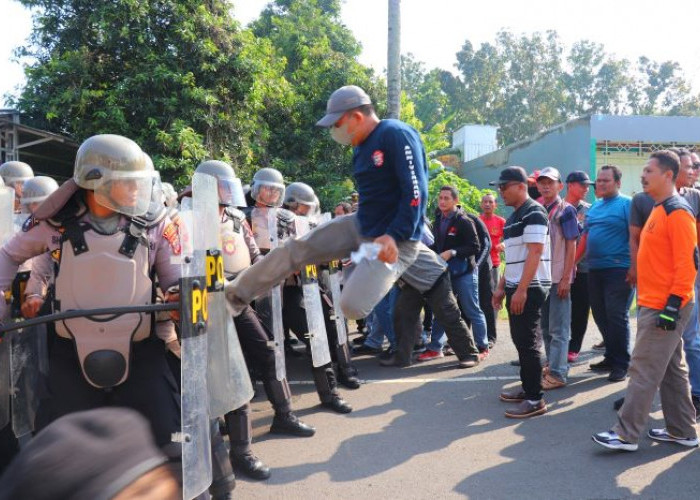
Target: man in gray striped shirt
524,285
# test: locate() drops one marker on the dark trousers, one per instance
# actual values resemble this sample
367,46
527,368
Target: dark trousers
443,303
523,331
260,356
427,318
149,389
485,294
294,316
580,310
610,297
9,447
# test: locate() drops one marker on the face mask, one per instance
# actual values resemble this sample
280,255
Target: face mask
341,135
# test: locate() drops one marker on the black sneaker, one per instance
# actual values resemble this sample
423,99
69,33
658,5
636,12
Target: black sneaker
617,375
359,340
365,349
387,353
419,348
602,366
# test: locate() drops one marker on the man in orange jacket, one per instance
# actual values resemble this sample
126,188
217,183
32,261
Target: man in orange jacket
667,263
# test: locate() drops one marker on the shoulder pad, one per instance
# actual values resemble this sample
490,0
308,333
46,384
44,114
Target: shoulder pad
234,213
285,216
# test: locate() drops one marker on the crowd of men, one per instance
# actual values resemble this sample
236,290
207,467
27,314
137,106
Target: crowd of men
116,236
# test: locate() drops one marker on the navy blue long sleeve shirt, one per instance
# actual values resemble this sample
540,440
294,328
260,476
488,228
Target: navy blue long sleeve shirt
390,170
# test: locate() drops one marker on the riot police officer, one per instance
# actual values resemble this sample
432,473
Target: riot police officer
14,173
239,252
302,200
105,254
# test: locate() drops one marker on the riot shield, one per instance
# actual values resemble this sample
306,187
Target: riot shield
7,208
269,306
195,438
29,370
318,338
228,380
333,288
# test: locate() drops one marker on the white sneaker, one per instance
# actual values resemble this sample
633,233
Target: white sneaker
663,435
612,441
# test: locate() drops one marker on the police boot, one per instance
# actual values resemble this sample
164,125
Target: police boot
347,373
327,389
285,422
240,434
223,480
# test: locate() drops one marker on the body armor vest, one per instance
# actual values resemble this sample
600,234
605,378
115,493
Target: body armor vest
98,270
235,250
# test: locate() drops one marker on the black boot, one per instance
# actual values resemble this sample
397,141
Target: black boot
289,424
250,465
327,388
240,434
347,373
223,480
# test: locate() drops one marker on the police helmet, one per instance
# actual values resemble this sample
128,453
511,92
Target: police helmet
36,190
267,187
228,185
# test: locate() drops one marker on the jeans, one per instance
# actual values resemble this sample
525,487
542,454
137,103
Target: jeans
580,310
556,332
523,331
610,297
466,288
691,346
382,321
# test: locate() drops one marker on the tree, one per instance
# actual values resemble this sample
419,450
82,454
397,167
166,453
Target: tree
177,76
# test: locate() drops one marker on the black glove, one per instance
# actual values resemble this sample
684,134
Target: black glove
668,318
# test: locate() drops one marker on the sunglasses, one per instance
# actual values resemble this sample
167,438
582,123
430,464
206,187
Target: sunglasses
503,187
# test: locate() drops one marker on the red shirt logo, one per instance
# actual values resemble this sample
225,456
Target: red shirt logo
452,231
378,158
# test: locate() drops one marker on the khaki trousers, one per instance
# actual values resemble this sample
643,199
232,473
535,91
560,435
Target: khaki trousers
658,362
369,282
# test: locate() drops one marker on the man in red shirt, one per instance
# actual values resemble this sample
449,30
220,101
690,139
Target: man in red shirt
495,224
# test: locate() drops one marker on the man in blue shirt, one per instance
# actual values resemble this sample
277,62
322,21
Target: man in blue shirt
390,171
605,243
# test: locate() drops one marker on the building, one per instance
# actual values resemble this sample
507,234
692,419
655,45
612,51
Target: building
47,153
588,143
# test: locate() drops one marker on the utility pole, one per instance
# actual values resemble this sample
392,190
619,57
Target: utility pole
394,61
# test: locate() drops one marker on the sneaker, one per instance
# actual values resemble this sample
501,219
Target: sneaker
513,395
483,353
618,404
360,340
428,355
365,349
612,441
572,357
602,366
469,362
393,361
515,362
617,375
550,382
387,353
663,435
447,351
527,409
492,342
600,346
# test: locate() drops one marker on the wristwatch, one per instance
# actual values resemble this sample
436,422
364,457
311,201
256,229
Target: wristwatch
454,252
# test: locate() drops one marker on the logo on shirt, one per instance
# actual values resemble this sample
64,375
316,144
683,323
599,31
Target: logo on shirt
29,224
171,234
452,231
229,245
378,158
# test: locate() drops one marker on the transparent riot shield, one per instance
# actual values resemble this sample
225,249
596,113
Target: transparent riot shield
333,286
195,438
318,338
228,380
7,208
29,370
269,306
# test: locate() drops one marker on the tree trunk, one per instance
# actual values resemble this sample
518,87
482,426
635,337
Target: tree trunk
394,60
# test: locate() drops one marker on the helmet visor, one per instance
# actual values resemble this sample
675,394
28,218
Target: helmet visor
231,192
268,193
126,193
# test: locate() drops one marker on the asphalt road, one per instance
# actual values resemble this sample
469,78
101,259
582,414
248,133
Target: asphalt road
435,431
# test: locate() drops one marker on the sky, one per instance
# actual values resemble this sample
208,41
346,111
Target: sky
434,30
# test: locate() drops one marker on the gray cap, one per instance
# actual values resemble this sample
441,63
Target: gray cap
342,100
550,173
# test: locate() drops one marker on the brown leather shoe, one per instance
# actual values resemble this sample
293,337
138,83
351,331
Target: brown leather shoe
515,395
526,409
550,382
